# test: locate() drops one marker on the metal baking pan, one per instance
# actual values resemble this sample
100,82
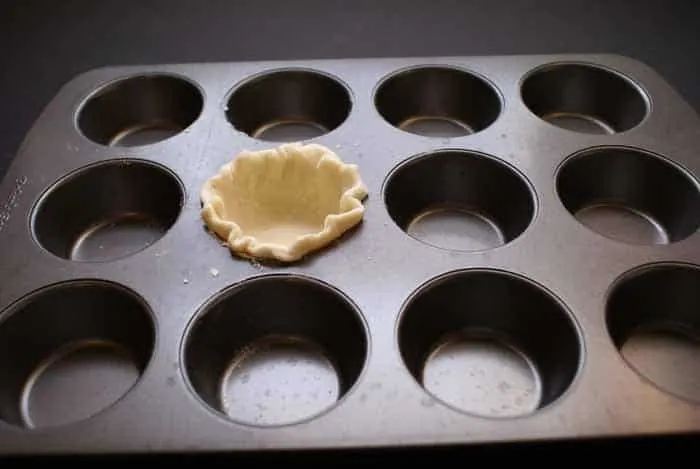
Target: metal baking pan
526,270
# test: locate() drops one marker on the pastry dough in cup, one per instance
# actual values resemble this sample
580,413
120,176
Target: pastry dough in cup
283,203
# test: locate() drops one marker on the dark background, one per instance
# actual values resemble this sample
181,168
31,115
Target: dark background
43,44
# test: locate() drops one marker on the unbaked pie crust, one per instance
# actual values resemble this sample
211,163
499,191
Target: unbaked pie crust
283,203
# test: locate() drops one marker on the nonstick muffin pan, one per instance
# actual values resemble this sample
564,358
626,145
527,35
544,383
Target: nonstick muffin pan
527,269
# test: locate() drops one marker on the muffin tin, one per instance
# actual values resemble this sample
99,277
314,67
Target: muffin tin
527,268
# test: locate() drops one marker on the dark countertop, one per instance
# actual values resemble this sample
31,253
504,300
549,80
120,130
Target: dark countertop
44,44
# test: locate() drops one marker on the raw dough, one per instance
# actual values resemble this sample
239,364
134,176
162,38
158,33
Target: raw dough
284,202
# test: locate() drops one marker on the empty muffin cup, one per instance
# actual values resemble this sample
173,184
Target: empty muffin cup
489,343
288,105
630,195
71,350
437,101
653,317
275,350
108,210
459,200
584,98
140,110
